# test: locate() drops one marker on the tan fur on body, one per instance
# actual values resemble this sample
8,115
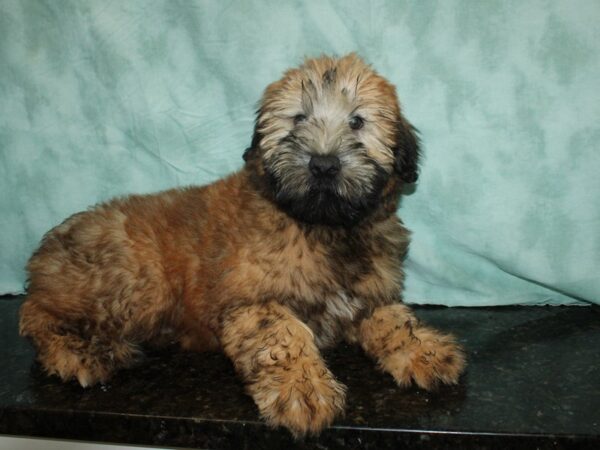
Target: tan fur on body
269,264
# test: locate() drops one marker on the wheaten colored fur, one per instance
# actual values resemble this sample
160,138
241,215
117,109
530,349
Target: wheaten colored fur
269,265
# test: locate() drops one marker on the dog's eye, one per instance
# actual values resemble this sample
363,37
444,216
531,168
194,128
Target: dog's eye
299,118
356,122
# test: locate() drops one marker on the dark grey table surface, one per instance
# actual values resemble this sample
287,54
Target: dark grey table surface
533,381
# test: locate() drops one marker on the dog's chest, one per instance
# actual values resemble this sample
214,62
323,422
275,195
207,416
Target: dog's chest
295,268
325,287
320,296
331,316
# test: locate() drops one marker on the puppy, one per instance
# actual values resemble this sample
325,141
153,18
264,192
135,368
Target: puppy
298,250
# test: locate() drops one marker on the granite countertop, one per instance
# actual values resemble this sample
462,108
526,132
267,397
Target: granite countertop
533,381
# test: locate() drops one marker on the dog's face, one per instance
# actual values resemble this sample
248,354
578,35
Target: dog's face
330,139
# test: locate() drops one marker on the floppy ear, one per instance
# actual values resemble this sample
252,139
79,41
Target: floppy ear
256,138
407,152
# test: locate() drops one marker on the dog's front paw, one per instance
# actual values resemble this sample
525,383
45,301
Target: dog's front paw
428,358
410,351
304,401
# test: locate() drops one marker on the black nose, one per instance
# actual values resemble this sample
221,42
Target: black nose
324,165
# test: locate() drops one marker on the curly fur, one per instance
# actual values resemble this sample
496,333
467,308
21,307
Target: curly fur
269,265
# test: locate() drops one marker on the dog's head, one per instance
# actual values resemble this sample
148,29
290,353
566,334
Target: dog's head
330,141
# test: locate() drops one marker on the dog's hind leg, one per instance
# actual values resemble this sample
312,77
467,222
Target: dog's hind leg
71,349
277,358
97,289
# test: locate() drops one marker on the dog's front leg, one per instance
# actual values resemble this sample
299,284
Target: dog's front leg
276,356
408,350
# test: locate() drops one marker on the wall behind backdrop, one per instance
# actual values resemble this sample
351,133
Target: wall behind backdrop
103,98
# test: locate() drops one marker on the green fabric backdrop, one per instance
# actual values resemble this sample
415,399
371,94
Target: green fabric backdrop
100,98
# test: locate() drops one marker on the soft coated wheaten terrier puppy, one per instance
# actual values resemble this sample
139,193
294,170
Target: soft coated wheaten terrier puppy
298,250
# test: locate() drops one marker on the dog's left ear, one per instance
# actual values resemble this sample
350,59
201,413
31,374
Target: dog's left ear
407,151
256,138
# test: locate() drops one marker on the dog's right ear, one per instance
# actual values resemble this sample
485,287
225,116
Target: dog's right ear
256,138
